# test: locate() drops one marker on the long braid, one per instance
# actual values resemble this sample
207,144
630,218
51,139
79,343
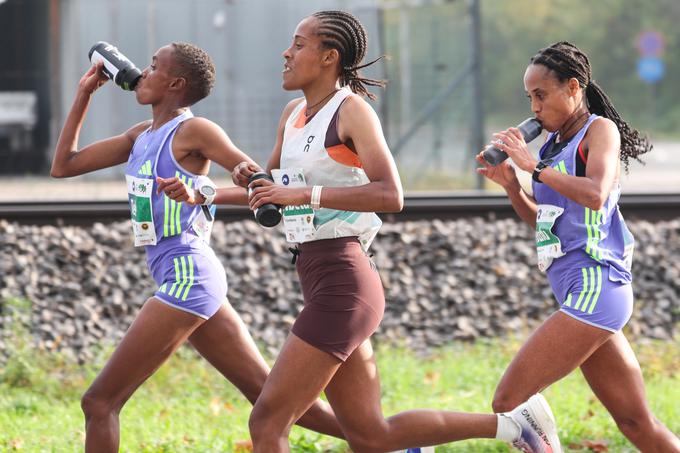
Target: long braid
343,32
567,61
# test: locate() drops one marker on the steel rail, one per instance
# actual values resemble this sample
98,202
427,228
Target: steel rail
647,206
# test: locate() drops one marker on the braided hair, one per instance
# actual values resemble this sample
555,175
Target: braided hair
343,32
568,61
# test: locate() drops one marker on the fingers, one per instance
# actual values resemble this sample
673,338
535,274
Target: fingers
173,188
94,68
242,172
259,196
514,132
260,183
480,160
162,183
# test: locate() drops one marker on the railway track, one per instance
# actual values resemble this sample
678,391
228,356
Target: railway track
652,206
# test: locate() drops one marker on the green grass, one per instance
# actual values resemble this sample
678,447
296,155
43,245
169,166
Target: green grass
188,407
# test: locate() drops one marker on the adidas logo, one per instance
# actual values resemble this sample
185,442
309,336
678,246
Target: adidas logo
145,169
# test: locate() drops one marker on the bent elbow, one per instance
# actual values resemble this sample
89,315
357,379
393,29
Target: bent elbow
395,203
58,173
399,205
596,201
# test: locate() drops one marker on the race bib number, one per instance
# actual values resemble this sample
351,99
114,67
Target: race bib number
548,245
141,211
298,221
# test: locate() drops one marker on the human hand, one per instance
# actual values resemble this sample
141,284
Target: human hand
502,174
512,142
242,172
263,191
93,78
175,189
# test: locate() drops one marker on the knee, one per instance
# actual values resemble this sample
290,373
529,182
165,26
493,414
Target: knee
504,401
369,441
96,406
263,425
637,425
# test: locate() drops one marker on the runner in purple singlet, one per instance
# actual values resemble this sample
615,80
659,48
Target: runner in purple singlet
168,158
582,241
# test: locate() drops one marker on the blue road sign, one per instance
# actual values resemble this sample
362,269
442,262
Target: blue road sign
650,69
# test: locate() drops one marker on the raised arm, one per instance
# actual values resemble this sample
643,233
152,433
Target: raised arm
504,175
602,142
68,160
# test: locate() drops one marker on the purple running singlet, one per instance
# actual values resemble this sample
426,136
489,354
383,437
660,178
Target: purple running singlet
189,275
586,254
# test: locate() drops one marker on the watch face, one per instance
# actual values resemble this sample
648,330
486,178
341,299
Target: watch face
208,191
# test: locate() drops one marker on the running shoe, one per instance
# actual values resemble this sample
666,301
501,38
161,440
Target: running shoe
538,430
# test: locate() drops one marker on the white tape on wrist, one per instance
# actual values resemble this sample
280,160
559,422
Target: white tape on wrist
316,197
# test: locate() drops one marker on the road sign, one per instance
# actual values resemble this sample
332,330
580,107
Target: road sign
650,43
650,69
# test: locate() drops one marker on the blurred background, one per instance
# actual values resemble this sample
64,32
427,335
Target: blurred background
455,72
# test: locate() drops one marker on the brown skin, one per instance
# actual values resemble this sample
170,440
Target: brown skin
197,142
160,329
606,359
314,71
352,387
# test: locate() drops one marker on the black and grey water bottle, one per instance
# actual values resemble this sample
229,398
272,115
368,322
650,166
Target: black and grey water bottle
530,129
116,65
269,214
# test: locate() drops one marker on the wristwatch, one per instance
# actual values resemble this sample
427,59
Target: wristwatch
208,193
540,166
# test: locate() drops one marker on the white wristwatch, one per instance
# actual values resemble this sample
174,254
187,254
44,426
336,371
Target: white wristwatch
208,193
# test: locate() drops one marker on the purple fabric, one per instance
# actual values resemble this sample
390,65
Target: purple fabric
602,235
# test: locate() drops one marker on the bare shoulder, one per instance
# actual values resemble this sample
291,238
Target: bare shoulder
288,109
198,132
199,124
356,114
356,105
603,127
137,129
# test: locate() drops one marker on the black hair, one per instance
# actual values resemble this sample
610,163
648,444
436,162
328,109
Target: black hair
196,66
343,32
568,61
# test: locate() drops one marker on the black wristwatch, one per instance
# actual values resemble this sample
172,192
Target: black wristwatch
540,166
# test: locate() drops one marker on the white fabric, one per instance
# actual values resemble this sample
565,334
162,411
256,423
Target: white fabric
304,148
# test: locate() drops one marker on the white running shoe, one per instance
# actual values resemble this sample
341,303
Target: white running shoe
538,430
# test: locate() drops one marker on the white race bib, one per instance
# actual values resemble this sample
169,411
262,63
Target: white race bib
141,210
298,221
548,245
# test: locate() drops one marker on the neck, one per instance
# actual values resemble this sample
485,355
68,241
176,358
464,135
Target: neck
164,112
574,123
316,97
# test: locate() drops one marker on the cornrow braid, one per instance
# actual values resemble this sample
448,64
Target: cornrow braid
567,61
343,32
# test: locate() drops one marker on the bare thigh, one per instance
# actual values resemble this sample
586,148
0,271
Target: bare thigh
299,375
224,341
560,345
154,335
